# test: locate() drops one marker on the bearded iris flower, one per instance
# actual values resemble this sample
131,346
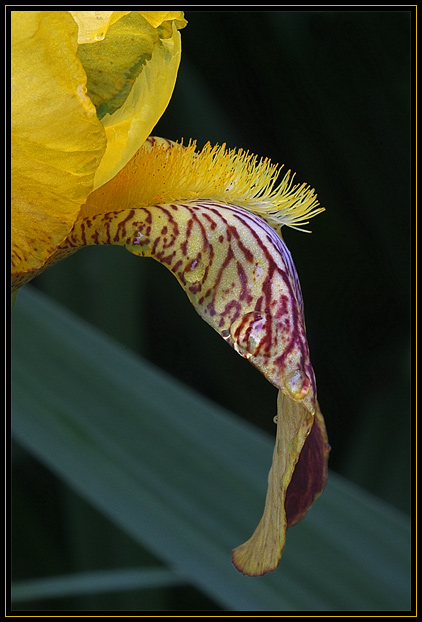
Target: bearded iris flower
88,88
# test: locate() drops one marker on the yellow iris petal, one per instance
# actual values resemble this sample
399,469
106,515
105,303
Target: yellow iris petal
129,126
61,150
56,139
131,76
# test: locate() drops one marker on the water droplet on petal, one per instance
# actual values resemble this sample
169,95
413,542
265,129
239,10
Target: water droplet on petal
242,351
194,271
297,383
275,419
251,334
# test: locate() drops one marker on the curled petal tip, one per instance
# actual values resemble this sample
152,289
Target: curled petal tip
262,552
246,562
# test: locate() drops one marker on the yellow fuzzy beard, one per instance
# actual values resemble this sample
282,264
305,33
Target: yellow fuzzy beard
163,171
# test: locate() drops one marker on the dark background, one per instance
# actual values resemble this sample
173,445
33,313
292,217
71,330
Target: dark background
327,93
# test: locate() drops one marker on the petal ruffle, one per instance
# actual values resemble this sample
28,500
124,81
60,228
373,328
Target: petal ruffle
157,18
57,141
93,25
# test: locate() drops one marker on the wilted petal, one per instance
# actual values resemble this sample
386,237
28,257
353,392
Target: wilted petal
262,552
297,477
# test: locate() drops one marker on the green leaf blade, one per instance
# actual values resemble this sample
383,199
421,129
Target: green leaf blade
187,479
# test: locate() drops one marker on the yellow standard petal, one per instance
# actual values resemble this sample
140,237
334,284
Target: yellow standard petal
56,139
131,73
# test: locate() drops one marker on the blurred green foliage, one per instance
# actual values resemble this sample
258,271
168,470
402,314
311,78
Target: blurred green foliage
327,93
182,477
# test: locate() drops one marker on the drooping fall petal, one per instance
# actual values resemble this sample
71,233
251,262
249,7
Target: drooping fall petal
204,216
235,269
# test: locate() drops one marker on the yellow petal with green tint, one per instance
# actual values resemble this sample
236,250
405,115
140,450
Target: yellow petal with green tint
131,75
56,139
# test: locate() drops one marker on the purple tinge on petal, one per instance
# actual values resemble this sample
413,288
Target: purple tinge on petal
310,474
